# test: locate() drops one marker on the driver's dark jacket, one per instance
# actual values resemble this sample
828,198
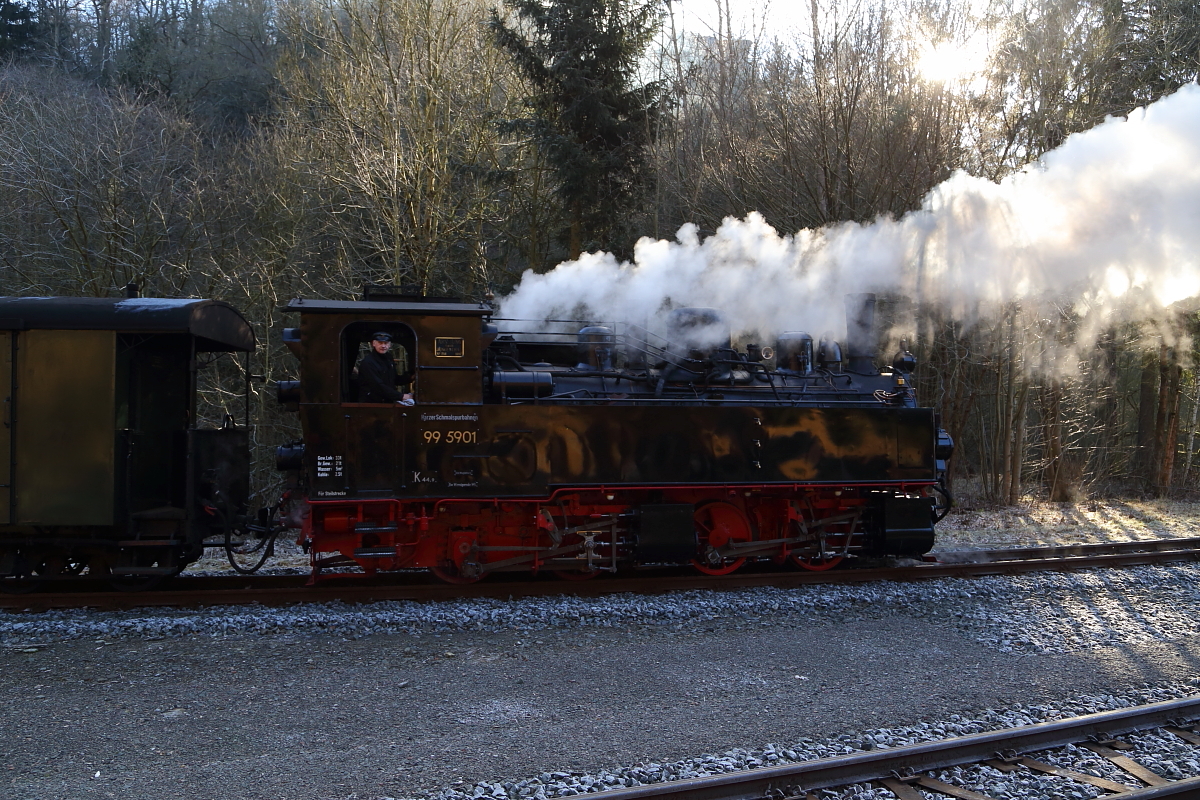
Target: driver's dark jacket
377,379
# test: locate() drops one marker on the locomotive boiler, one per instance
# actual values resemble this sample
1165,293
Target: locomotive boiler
594,447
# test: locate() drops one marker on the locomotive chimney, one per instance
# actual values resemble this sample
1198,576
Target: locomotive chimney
860,333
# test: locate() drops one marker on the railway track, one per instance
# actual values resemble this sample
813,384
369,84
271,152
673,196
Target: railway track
906,771
187,591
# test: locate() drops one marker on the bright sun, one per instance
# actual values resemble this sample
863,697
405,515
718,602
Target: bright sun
951,62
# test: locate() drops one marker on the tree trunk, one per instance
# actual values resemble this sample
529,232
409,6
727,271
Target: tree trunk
1018,446
1058,476
104,36
1168,453
1006,421
576,243
1144,458
1191,441
1106,408
1167,430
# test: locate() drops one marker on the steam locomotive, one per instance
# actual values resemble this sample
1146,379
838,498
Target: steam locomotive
588,448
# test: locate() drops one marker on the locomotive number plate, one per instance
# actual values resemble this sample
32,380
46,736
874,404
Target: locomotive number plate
447,457
448,347
450,437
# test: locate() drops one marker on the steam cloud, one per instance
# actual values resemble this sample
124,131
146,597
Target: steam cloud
1108,223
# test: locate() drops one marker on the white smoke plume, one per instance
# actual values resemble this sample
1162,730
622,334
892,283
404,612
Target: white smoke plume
1108,223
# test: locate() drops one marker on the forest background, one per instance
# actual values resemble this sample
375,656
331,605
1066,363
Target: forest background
258,150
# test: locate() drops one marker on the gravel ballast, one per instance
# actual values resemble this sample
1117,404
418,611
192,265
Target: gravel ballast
406,699
1052,612
1159,751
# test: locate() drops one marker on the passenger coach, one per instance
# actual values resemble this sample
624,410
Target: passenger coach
104,460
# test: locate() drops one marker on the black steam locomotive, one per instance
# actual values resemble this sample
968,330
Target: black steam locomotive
584,449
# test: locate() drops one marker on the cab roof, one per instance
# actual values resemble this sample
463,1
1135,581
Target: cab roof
217,326
397,307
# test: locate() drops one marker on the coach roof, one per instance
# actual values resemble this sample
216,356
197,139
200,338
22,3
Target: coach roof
217,326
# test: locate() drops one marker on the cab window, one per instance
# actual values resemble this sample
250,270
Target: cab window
356,343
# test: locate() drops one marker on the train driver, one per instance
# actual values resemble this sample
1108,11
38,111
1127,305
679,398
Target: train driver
377,374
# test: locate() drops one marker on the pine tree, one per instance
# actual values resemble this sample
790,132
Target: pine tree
588,111
18,30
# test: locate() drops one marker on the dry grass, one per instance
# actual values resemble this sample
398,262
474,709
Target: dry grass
1037,522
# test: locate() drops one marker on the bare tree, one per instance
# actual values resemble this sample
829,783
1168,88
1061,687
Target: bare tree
831,126
98,189
389,124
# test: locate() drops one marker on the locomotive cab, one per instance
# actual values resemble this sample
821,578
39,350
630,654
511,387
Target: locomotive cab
355,448
105,460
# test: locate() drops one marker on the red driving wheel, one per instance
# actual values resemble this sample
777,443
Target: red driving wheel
461,553
450,573
818,562
718,524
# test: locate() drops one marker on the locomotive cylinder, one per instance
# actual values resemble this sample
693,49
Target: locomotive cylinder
904,526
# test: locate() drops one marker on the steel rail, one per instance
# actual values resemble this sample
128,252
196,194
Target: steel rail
1185,788
793,779
276,590
1064,550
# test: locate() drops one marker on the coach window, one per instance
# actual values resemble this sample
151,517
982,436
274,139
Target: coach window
356,343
